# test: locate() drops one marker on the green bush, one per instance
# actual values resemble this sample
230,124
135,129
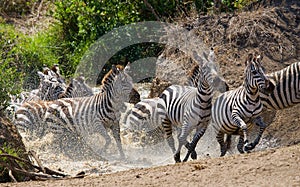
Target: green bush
16,7
21,56
83,22
10,80
4,177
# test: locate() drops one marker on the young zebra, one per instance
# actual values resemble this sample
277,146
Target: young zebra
190,108
234,109
82,115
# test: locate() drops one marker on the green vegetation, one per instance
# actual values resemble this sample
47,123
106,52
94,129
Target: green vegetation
77,24
8,150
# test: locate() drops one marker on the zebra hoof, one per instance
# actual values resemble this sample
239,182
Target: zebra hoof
177,157
248,147
194,155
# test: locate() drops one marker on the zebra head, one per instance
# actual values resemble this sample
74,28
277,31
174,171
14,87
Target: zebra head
50,87
254,71
54,72
210,73
122,84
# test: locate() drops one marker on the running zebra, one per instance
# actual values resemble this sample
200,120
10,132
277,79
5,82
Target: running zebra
190,108
146,117
285,94
178,105
287,88
82,116
234,109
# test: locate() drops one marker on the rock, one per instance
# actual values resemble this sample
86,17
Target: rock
157,87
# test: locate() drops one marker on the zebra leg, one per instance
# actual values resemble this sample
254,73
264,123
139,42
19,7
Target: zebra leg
103,132
228,141
242,125
259,122
192,145
116,133
240,145
186,129
247,145
167,126
220,139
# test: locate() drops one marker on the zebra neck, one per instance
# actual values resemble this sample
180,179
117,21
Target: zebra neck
114,99
204,92
252,93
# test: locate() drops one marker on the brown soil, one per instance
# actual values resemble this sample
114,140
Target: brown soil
277,35
273,167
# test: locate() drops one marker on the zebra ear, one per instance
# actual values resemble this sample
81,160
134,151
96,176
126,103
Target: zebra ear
211,56
127,68
249,59
259,58
41,75
114,69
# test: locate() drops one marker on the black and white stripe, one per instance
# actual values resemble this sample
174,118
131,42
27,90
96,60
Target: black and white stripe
180,105
287,88
77,88
82,116
234,109
285,93
190,108
220,84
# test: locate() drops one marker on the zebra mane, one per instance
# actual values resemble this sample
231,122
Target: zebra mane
110,76
193,76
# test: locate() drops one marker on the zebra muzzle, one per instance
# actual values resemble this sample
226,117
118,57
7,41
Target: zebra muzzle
270,86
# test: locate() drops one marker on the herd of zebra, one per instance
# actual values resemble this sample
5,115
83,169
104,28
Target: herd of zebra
57,108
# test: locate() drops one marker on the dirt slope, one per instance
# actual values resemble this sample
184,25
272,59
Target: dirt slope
274,167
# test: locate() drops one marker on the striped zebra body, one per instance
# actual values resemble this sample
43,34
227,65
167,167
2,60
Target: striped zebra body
83,115
287,88
145,118
190,108
286,93
142,113
234,109
187,108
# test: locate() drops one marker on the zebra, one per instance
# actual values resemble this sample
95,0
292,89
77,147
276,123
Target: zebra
51,85
83,115
190,108
287,88
285,93
146,117
158,111
233,109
